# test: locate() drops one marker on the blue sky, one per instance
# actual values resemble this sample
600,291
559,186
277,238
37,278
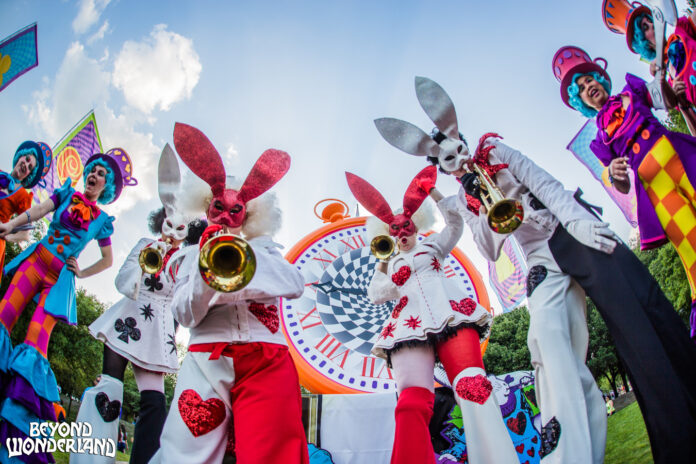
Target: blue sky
305,77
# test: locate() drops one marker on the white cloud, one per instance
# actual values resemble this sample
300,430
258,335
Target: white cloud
100,33
88,14
78,85
158,71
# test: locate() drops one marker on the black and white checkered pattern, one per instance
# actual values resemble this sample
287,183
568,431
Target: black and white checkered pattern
351,318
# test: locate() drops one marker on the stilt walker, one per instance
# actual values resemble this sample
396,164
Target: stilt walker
432,318
31,162
47,269
238,367
140,328
570,252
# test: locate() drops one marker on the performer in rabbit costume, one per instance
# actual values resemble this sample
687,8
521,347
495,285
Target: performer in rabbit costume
432,318
570,252
140,329
238,367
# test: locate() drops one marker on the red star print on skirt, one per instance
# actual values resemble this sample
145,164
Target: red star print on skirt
413,322
388,331
467,306
267,315
200,416
435,264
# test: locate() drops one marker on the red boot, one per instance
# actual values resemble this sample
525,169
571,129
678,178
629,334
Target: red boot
412,443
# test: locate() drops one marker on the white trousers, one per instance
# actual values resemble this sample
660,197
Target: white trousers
566,392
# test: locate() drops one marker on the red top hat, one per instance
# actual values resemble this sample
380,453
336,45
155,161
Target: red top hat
619,16
570,60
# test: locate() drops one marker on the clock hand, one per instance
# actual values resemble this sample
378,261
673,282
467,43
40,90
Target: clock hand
329,287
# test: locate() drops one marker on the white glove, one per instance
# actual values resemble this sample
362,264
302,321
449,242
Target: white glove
162,246
594,234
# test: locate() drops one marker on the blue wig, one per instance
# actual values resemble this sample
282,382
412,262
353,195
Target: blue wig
640,44
574,93
31,152
109,191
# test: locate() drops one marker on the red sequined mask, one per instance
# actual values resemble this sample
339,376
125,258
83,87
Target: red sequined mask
227,209
402,226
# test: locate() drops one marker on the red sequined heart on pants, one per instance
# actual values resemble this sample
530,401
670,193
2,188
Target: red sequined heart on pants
267,315
200,416
476,389
399,306
401,276
467,306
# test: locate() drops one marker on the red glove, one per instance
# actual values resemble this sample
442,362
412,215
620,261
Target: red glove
426,184
210,230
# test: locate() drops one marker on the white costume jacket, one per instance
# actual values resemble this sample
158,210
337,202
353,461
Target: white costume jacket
427,303
140,327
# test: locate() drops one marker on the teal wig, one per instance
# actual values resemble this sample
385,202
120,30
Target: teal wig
574,93
31,152
640,44
109,191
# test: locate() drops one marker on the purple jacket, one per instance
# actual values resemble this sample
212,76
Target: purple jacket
635,137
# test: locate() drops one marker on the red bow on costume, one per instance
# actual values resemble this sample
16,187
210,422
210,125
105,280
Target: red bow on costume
481,159
82,211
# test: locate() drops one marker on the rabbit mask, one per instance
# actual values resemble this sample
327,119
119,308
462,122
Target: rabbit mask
228,206
400,225
446,145
175,225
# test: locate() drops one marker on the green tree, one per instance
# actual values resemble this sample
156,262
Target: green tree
602,358
507,347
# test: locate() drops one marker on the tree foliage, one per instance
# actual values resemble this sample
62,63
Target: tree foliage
507,347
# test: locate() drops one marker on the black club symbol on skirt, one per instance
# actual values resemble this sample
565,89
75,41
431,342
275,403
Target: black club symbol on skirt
128,329
153,283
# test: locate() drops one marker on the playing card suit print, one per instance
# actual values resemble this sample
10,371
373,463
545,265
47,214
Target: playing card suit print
128,329
108,410
467,306
520,448
518,424
535,276
267,315
200,416
476,389
399,306
401,276
153,283
550,434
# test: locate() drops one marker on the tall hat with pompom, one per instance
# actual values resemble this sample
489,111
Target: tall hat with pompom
228,206
44,158
374,202
120,163
571,60
619,16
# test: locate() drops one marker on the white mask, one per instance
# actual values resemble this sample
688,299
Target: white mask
453,154
175,226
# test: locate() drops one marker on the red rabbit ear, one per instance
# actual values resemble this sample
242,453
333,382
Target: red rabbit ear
201,157
415,193
271,166
369,197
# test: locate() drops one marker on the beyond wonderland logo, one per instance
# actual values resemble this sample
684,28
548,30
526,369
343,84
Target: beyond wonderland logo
71,438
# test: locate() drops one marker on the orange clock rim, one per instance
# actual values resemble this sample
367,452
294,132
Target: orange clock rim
312,379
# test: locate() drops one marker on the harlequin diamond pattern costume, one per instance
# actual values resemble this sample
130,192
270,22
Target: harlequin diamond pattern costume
431,318
238,375
40,270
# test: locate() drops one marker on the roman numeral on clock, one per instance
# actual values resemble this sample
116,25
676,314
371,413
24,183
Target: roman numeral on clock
368,369
449,272
328,346
310,319
325,257
353,243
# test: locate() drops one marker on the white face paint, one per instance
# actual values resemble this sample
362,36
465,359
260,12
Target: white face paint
453,154
175,226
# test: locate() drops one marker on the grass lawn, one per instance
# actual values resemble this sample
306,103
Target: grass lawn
63,458
627,440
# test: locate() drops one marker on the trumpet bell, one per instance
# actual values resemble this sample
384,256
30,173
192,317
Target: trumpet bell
227,263
150,260
505,216
382,246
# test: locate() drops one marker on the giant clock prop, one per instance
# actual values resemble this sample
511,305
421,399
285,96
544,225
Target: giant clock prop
331,328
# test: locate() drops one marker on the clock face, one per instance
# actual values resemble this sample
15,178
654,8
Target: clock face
331,328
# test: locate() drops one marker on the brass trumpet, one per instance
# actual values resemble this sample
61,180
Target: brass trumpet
382,246
504,214
151,259
226,262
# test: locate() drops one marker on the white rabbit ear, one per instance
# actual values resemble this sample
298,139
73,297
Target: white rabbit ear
407,137
169,177
438,106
